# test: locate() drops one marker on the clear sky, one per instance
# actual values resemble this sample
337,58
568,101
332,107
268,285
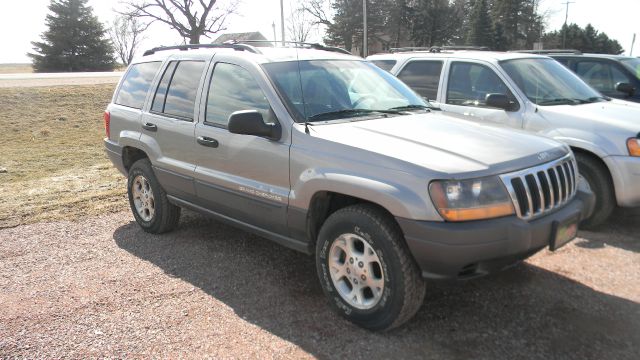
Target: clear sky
22,21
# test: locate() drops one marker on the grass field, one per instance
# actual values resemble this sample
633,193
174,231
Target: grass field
51,148
15,68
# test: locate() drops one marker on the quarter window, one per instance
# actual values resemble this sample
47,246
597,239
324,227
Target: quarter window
136,84
233,89
384,64
423,77
176,93
469,85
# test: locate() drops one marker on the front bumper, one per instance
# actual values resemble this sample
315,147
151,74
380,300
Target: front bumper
470,249
625,171
114,152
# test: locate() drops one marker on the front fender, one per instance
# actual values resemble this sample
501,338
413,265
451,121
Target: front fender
401,200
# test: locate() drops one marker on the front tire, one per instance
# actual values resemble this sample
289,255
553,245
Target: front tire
148,200
596,178
366,270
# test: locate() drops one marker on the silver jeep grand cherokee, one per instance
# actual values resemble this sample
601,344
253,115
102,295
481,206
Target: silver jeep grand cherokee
325,153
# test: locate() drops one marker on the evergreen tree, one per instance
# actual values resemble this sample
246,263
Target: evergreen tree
480,29
433,22
588,40
74,41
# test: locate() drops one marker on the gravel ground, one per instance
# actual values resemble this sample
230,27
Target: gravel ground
102,287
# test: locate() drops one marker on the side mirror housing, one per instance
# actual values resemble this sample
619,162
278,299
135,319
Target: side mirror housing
625,88
500,101
250,122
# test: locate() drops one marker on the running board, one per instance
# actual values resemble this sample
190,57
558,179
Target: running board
280,239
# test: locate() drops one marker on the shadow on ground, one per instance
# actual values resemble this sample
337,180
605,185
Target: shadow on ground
526,312
622,230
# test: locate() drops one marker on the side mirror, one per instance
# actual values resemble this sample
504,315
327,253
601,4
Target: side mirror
250,122
626,88
500,101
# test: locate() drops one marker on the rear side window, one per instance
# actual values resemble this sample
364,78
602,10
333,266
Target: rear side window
176,93
423,77
384,64
136,84
232,89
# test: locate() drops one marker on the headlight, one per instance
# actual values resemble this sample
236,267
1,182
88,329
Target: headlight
474,199
633,145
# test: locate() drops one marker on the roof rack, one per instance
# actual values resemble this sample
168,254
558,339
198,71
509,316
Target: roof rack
235,46
437,49
550,51
314,46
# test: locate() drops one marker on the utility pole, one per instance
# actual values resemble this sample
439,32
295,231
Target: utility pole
365,49
632,43
275,39
282,21
566,16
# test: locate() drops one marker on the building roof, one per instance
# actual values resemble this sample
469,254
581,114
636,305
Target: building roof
256,35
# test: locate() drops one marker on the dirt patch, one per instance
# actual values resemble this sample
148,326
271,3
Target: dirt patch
52,152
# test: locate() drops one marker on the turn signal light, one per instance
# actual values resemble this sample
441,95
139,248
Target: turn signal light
633,145
107,124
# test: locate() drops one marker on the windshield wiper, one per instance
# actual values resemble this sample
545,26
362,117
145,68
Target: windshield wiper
414,107
353,112
560,101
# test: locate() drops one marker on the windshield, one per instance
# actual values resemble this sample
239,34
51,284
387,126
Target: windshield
633,64
334,89
547,82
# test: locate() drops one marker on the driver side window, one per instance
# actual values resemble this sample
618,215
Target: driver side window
232,89
470,83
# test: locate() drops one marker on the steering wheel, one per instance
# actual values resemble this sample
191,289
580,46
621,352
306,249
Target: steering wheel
363,99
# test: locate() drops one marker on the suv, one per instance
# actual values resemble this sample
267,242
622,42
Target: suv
616,76
537,94
327,154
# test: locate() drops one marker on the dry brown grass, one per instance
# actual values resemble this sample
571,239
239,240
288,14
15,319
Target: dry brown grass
51,146
15,68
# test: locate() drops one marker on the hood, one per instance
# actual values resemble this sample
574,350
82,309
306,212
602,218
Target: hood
616,116
443,143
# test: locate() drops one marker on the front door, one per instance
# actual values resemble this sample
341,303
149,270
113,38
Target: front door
240,176
467,85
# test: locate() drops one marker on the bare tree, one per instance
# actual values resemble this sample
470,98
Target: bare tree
190,18
299,25
126,35
320,11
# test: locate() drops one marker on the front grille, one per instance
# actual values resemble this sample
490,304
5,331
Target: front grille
537,190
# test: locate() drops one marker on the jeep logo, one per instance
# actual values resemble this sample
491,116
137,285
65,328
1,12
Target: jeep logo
543,156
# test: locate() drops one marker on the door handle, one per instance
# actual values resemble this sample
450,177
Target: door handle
207,141
150,127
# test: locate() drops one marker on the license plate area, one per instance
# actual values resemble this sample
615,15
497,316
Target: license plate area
563,232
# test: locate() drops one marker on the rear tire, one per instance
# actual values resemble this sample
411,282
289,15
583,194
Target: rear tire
598,179
381,288
148,200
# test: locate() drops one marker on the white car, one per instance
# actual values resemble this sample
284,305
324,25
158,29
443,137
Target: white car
537,94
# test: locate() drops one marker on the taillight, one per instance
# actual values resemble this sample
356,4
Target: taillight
107,124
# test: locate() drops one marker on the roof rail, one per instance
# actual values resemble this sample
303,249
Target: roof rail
315,46
550,51
437,49
238,47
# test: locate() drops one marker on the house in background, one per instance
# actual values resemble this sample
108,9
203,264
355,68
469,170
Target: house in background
245,36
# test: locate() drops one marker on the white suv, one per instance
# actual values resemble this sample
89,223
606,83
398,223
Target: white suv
538,94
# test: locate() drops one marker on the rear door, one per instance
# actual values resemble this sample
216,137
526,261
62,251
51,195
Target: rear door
466,85
241,176
168,127
424,77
